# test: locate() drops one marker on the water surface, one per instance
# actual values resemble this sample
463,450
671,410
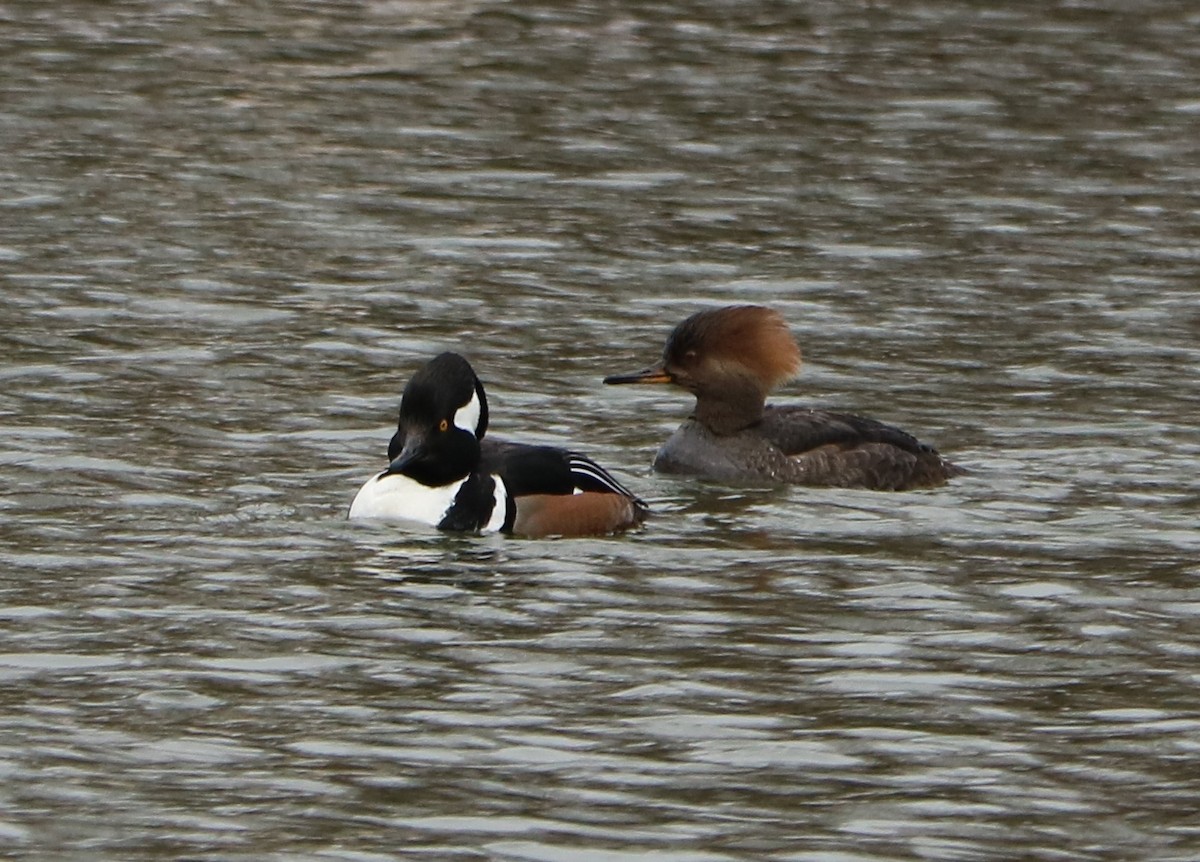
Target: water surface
228,234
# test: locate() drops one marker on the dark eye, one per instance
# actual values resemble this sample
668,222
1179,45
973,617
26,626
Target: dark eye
443,425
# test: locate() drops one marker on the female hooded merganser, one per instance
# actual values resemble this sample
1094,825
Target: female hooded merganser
730,358
443,473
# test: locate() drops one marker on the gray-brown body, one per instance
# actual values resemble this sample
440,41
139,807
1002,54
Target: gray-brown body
730,358
797,446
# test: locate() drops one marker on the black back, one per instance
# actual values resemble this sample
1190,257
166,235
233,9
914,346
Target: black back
528,469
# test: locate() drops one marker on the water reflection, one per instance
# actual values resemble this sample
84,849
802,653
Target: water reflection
229,233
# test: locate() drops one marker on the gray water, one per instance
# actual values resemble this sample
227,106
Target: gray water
230,231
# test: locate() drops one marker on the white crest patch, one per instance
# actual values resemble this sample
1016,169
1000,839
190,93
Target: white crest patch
467,416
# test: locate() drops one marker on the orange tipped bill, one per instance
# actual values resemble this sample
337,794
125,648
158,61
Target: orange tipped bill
654,374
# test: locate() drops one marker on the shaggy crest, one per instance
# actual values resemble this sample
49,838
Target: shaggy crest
751,336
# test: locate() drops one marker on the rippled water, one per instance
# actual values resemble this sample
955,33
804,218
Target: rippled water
229,232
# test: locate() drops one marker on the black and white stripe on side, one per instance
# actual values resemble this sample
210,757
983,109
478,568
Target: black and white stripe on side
590,476
482,503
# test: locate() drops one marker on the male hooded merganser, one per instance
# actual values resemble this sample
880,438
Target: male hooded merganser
730,358
443,473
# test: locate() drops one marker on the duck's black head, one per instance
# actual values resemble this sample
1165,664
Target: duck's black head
443,416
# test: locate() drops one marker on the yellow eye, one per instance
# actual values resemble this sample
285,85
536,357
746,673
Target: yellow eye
443,425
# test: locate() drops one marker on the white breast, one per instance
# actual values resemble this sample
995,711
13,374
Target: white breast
398,498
